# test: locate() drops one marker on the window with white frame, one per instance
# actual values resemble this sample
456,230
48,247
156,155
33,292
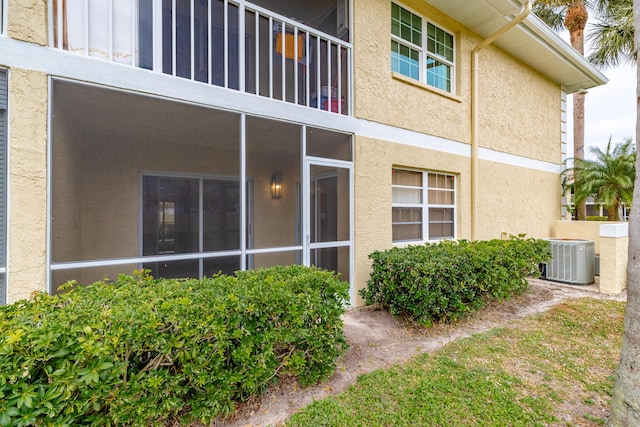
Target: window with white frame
421,50
423,205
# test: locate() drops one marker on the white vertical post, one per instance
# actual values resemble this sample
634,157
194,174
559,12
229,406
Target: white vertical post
241,47
271,52
243,192
209,49
284,61
339,76
350,82
156,35
329,81
295,65
226,43
307,63
200,226
318,82
305,199
192,13
257,52
174,32
60,23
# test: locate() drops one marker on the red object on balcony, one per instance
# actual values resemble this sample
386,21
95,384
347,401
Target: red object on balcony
335,103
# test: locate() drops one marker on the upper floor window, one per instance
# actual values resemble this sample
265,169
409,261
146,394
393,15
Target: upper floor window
423,205
421,50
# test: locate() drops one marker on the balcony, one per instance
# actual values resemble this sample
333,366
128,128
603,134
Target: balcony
237,45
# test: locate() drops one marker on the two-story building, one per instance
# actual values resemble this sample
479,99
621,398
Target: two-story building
197,136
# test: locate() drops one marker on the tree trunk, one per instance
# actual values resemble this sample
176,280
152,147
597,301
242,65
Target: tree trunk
612,211
575,22
625,402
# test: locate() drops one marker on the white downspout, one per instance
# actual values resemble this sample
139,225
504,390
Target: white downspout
474,110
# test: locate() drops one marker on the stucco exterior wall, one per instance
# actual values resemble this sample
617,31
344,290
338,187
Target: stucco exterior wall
27,183
374,160
587,230
613,264
519,109
405,105
27,20
507,202
516,200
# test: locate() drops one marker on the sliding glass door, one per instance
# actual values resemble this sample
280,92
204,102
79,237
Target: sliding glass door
187,215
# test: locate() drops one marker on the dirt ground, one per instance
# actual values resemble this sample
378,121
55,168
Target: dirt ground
378,340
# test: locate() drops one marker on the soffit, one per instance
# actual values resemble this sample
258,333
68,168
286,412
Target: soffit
531,41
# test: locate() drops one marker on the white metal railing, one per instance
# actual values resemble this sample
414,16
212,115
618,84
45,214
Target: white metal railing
230,43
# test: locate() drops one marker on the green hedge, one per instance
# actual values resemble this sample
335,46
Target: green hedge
443,281
139,350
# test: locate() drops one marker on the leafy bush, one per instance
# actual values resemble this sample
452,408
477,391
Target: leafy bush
597,218
445,280
139,350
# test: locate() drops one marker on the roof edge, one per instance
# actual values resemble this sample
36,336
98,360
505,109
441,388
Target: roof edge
538,29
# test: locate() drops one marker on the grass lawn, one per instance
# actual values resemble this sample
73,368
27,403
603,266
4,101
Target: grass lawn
554,369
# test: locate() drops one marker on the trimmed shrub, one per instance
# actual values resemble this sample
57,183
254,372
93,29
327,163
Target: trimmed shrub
597,218
139,350
445,280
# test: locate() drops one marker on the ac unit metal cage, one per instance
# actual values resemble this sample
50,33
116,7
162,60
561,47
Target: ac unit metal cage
572,261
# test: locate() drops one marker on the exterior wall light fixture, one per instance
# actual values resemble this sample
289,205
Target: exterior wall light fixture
276,186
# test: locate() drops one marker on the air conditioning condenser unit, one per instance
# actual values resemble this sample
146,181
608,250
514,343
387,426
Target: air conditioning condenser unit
572,261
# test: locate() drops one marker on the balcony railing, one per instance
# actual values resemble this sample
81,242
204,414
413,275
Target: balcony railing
232,44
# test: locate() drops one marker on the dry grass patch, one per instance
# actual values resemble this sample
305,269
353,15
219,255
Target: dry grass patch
552,369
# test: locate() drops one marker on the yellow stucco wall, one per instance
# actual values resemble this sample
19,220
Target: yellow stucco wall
503,205
374,160
515,200
587,230
519,109
27,183
405,105
519,113
613,264
27,20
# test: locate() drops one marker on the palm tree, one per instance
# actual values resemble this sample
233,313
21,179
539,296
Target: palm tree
609,178
572,15
612,35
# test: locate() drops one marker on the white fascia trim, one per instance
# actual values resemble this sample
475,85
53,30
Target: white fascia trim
384,132
519,161
557,46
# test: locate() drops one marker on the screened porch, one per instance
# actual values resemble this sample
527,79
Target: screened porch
188,191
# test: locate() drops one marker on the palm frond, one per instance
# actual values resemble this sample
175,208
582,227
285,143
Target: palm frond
609,178
552,14
612,35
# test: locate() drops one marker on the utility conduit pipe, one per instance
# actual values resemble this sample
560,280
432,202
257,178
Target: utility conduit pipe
474,110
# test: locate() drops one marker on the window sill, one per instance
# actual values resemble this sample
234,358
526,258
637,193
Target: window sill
425,86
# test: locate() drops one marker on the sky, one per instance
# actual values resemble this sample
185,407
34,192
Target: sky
610,110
